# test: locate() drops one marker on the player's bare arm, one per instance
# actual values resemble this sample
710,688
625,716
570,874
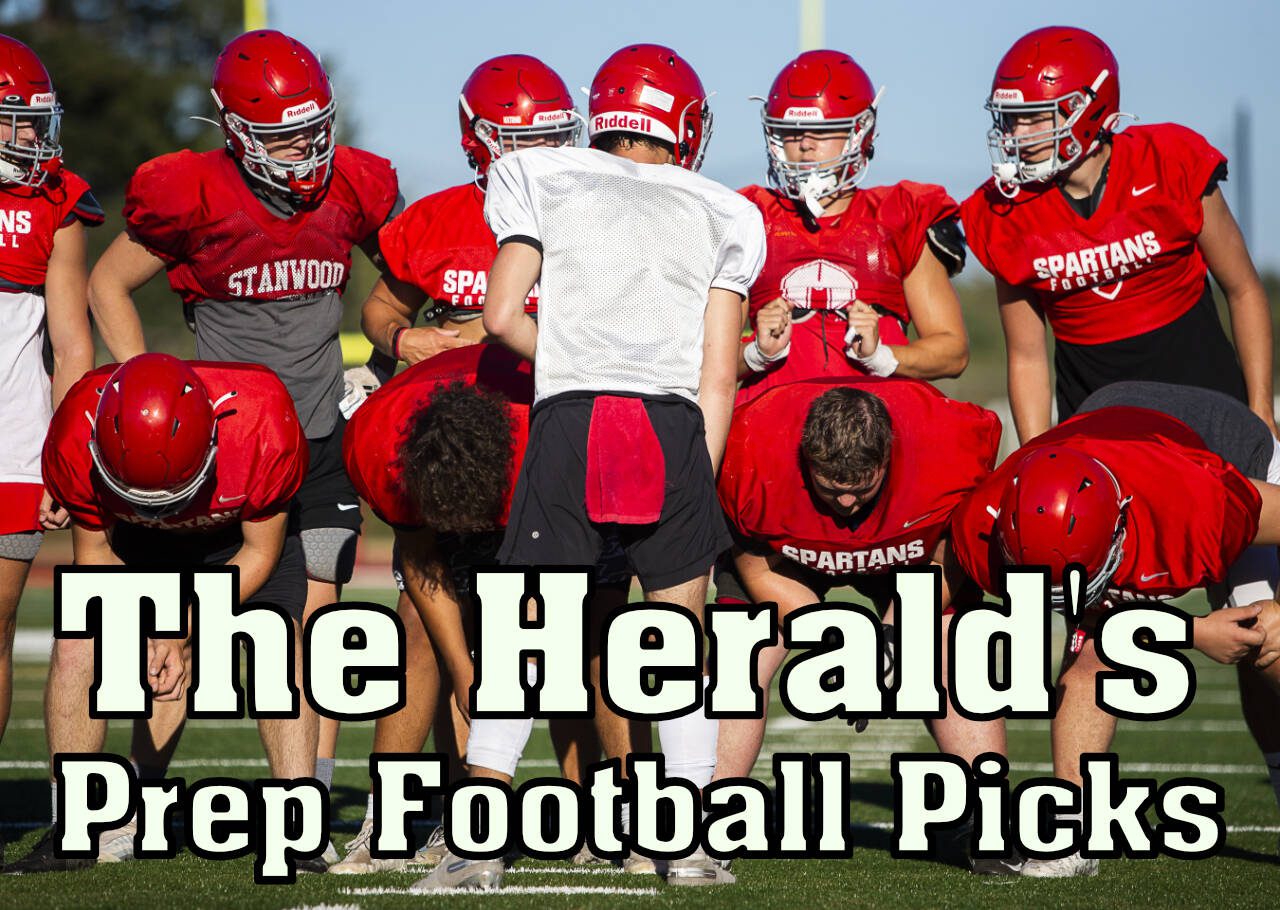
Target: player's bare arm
772,337
941,350
515,271
1027,353
69,334
1227,257
721,352
259,553
440,613
125,266
391,306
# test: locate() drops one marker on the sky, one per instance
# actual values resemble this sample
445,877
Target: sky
398,66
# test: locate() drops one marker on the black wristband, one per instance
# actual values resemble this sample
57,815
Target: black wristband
395,341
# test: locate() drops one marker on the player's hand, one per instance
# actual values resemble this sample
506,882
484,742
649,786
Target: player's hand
166,670
358,383
1268,623
53,517
863,336
773,327
423,342
1223,635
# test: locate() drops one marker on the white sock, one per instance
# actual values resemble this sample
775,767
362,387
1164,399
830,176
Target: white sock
1273,768
497,744
624,814
53,803
689,745
324,772
368,809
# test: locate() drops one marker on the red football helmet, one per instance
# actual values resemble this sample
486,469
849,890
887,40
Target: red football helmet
1061,508
652,90
30,114
512,102
154,436
820,90
1063,71
270,88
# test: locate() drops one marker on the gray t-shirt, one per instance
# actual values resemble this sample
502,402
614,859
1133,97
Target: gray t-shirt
296,338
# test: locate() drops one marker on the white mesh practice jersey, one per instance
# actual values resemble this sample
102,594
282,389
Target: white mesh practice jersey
629,252
25,409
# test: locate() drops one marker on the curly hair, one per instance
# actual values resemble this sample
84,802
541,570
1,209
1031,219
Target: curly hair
457,458
847,435
614,140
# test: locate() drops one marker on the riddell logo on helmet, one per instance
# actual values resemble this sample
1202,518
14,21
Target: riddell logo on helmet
302,110
602,122
43,98
1007,94
804,113
550,117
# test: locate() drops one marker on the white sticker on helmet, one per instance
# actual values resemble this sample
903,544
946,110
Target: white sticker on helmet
300,111
43,98
804,113
551,117
657,97
1007,94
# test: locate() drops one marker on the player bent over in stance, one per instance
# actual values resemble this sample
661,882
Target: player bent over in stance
257,238
848,268
643,268
829,485
42,291
1155,490
168,465
434,452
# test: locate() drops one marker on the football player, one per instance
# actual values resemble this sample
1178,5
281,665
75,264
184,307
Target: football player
166,465
44,209
1109,236
631,410
1095,491
256,239
829,484
847,268
434,452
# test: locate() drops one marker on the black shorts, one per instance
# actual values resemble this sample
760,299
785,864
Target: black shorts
465,552
1192,350
326,498
1229,429
549,524
154,548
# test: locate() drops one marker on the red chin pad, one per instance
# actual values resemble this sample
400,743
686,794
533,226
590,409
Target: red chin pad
626,470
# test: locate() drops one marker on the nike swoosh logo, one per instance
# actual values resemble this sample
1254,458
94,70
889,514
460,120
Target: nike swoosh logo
1139,192
916,521
1146,577
347,507
226,499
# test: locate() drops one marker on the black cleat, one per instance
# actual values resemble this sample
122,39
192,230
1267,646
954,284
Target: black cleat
43,858
316,864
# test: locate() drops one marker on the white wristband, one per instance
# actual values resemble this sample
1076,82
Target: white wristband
881,362
756,358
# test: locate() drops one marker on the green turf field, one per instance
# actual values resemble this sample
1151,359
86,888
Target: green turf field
1209,740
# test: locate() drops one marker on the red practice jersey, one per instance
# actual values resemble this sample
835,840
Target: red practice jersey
1190,517
30,216
261,459
195,211
373,439
1132,267
864,253
941,449
442,246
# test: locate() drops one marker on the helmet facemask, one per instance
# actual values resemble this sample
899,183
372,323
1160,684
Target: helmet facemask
155,504
31,165
812,181
305,178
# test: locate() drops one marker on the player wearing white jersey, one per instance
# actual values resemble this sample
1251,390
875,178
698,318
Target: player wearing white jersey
644,270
